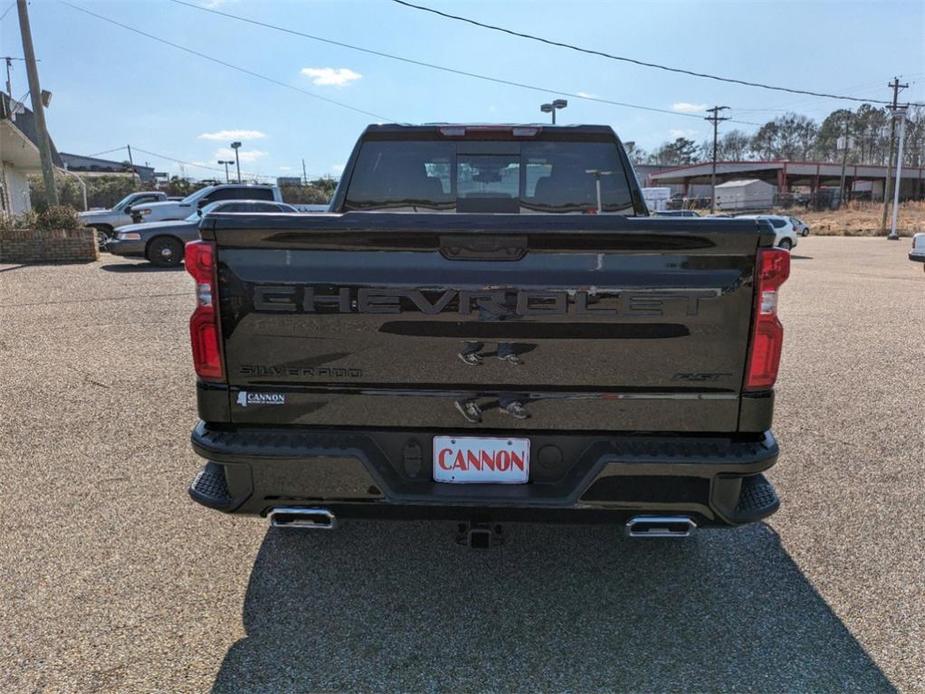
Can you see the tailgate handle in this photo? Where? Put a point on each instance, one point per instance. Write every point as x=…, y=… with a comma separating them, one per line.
x=471, y=247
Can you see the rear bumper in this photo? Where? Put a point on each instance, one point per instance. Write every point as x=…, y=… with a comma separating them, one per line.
x=579, y=477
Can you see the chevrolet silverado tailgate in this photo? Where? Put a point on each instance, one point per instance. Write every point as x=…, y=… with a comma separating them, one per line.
x=592, y=322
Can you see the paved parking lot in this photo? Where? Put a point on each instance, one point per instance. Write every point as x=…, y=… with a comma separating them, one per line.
x=111, y=579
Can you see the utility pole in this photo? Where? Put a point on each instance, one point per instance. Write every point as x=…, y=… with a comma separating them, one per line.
x=899, y=113
x=35, y=90
x=896, y=87
x=304, y=175
x=844, y=161
x=715, y=119
x=131, y=162
x=9, y=74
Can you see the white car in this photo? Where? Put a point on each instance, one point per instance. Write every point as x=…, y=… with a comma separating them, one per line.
x=801, y=227
x=918, y=248
x=181, y=209
x=785, y=236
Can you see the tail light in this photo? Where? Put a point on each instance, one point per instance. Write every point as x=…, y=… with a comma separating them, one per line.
x=203, y=324
x=773, y=269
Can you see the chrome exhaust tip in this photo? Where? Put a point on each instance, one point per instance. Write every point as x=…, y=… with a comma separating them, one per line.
x=660, y=526
x=299, y=517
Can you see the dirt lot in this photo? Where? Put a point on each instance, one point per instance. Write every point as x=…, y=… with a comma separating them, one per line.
x=111, y=579
x=863, y=219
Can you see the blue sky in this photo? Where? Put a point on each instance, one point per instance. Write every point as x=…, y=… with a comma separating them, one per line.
x=113, y=87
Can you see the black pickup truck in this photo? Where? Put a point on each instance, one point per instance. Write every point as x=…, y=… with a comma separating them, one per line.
x=488, y=326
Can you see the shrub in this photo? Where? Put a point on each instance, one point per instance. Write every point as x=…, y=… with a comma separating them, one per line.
x=26, y=220
x=58, y=217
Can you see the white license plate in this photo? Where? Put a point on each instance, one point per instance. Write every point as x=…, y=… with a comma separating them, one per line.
x=471, y=459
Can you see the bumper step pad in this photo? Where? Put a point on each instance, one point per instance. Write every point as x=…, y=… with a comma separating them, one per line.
x=758, y=499
x=210, y=488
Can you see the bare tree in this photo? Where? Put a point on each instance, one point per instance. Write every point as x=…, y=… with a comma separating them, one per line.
x=734, y=145
x=796, y=137
x=790, y=136
x=681, y=151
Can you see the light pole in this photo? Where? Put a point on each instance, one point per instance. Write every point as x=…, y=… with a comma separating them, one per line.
x=226, y=162
x=597, y=173
x=237, y=162
x=553, y=107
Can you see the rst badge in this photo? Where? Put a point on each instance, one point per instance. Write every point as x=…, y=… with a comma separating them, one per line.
x=462, y=460
x=246, y=398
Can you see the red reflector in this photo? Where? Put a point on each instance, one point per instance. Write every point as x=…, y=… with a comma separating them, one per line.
x=200, y=261
x=772, y=270
x=205, y=336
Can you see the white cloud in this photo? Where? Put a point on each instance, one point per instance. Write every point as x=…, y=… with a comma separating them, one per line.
x=587, y=95
x=337, y=169
x=678, y=132
x=245, y=155
x=233, y=135
x=285, y=168
x=685, y=107
x=330, y=76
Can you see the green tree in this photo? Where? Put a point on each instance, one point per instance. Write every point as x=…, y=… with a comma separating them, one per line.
x=832, y=132
x=872, y=133
x=102, y=191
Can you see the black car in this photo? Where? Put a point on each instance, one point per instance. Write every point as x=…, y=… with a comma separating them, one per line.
x=162, y=242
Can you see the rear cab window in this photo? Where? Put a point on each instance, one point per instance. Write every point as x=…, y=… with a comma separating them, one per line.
x=490, y=176
x=240, y=193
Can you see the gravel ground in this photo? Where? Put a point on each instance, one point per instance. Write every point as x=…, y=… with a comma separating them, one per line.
x=111, y=579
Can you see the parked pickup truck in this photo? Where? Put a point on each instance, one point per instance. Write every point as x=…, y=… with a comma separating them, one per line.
x=106, y=221
x=487, y=327
x=181, y=209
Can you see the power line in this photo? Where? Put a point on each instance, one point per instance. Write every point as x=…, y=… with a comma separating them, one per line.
x=108, y=151
x=192, y=163
x=442, y=68
x=801, y=103
x=634, y=61
x=7, y=10
x=226, y=64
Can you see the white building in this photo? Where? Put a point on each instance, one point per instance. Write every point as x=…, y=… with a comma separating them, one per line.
x=748, y=194
x=656, y=198
x=19, y=155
